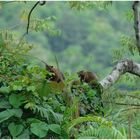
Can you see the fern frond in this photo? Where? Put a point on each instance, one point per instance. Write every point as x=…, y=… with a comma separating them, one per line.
x=100, y=120
x=48, y=113
x=103, y=132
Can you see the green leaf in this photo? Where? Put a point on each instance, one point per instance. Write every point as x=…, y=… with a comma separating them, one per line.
x=17, y=113
x=87, y=119
x=0, y=133
x=15, y=129
x=23, y=16
x=102, y=132
x=4, y=104
x=16, y=100
x=39, y=129
x=33, y=120
x=24, y=135
x=55, y=128
x=44, y=89
x=91, y=93
x=31, y=88
x=1, y=40
x=4, y=115
x=5, y=90
x=17, y=87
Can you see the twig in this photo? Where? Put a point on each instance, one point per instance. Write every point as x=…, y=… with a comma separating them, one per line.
x=29, y=15
x=8, y=2
x=130, y=108
x=129, y=126
x=129, y=95
x=133, y=96
x=56, y=60
x=121, y=103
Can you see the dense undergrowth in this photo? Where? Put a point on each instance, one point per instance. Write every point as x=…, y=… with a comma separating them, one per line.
x=32, y=106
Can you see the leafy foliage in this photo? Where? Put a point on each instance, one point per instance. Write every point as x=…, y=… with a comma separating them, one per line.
x=39, y=129
x=31, y=106
x=19, y=94
x=80, y=5
x=14, y=129
x=45, y=25
x=23, y=93
x=103, y=133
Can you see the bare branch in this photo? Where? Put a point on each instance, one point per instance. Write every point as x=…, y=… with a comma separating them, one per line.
x=29, y=16
x=122, y=67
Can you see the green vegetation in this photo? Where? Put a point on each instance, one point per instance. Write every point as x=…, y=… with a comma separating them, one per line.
x=82, y=36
